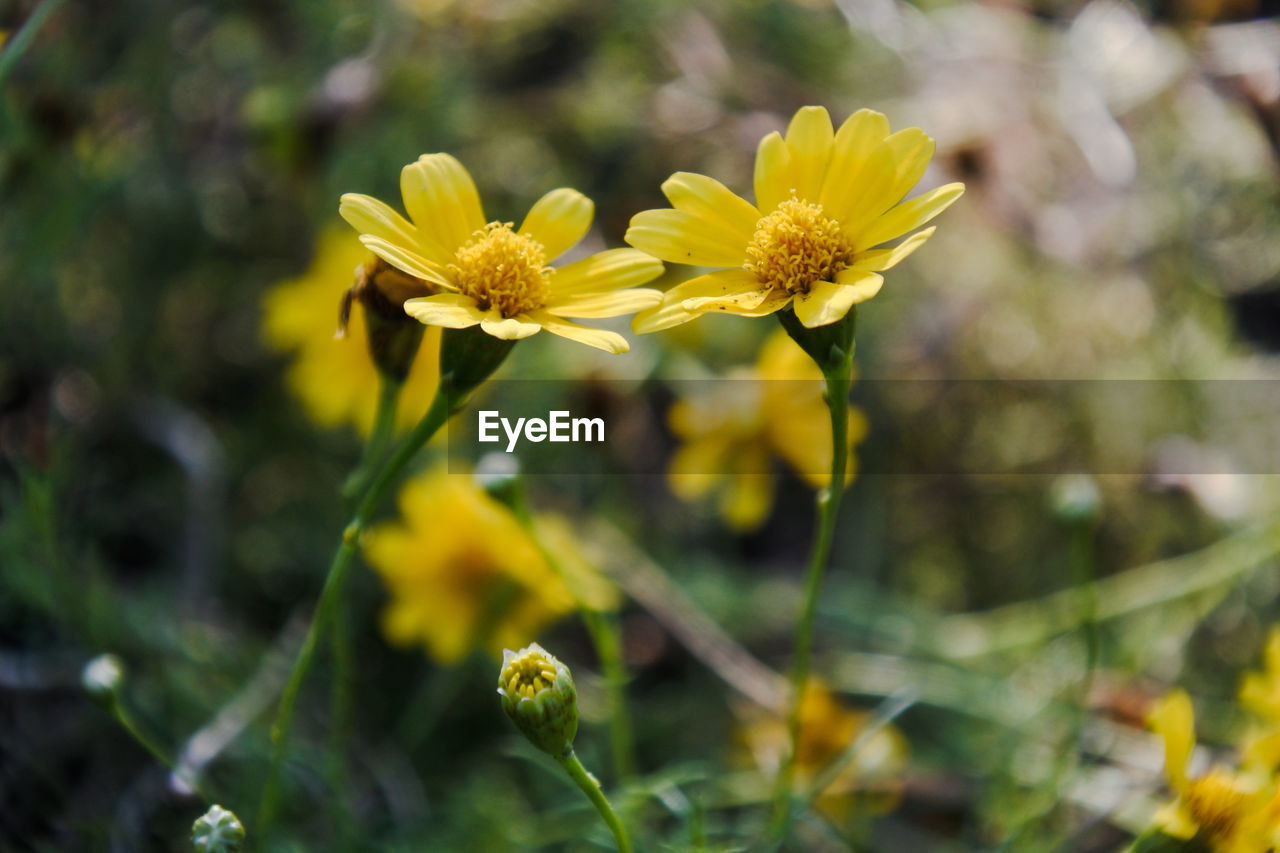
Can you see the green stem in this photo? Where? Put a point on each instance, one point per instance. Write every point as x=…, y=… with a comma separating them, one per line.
x=331, y=594
x=21, y=40
x=569, y=761
x=384, y=422
x=606, y=636
x=159, y=753
x=838, y=379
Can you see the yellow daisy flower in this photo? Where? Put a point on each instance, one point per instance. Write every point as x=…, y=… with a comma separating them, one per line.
x=729, y=437
x=1235, y=812
x=492, y=275
x=462, y=571
x=825, y=200
x=828, y=728
x=333, y=375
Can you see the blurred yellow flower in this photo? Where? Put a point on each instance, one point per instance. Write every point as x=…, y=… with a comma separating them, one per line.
x=492, y=275
x=775, y=407
x=1233, y=811
x=825, y=200
x=827, y=730
x=334, y=376
x=462, y=571
x=1260, y=691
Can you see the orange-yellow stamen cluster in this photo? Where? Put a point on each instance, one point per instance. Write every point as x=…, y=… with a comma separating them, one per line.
x=528, y=675
x=501, y=269
x=797, y=245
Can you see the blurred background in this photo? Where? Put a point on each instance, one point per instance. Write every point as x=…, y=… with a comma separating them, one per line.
x=170, y=476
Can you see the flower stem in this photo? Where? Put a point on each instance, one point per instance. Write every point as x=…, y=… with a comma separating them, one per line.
x=838, y=379
x=379, y=438
x=606, y=637
x=331, y=594
x=569, y=761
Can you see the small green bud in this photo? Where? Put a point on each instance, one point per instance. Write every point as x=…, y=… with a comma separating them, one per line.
x=217, y=831
x=102, y=677
x=393, y=335
x=538, y=695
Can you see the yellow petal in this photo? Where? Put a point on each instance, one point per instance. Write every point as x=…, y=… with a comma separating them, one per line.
x=809, y=138
x=879, y=260
x=609, y=304
x=1173, y=720
x=601, y=339
x=865, y=284
x=858, y=201
x=907, y=216
x=825, y=303
x=442, y=200
x=682, y=238
x=671, y=311
x=912, y=150
x=711, y=200
x=558, y=220
x=745, y=301
x=608, y=270
x=369, y=216
x=773, y=182
x=407, y=260
x=450, y=310
x=746, y=500
x=509, y=328
x=860, y=134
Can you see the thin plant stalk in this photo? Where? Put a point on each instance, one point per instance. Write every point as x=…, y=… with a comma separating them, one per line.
x=838, y=379
x=606, y=637
x=585, y=781
x=331, y=594
x=384, y=422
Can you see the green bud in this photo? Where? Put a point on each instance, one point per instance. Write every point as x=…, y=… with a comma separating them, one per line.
x=217, y=831
x=393, y=336
x=538, y=695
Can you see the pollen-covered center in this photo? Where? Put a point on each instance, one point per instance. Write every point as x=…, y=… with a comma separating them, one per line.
x=797, y=245
x=1215, y=804
x=501, y=269
x=528, y=675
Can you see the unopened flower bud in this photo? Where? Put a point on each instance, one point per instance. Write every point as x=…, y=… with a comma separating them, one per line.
x=217, y=831
x=394, y=336
x=102, y=676
x=538, y=695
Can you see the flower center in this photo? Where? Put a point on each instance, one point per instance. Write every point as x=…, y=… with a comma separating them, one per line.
x=501, y=269
x=1215, y=804
x=796, y=245
x=528, y=675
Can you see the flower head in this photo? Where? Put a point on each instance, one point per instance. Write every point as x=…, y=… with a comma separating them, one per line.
x=492, y=274
x=825, y=201
x=1234, y=811
x=773, y=408
x=538, y=695
x=332, y=374
x=462, y=571
x=217, y=831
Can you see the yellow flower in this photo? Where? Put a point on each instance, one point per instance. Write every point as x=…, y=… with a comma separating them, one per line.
x=495, y=276
x=1235, y=812
x=462, y=571
x=775, y=407
x=827, y=729
x=824, y=201
x=334, y=376
x=1260, y=691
